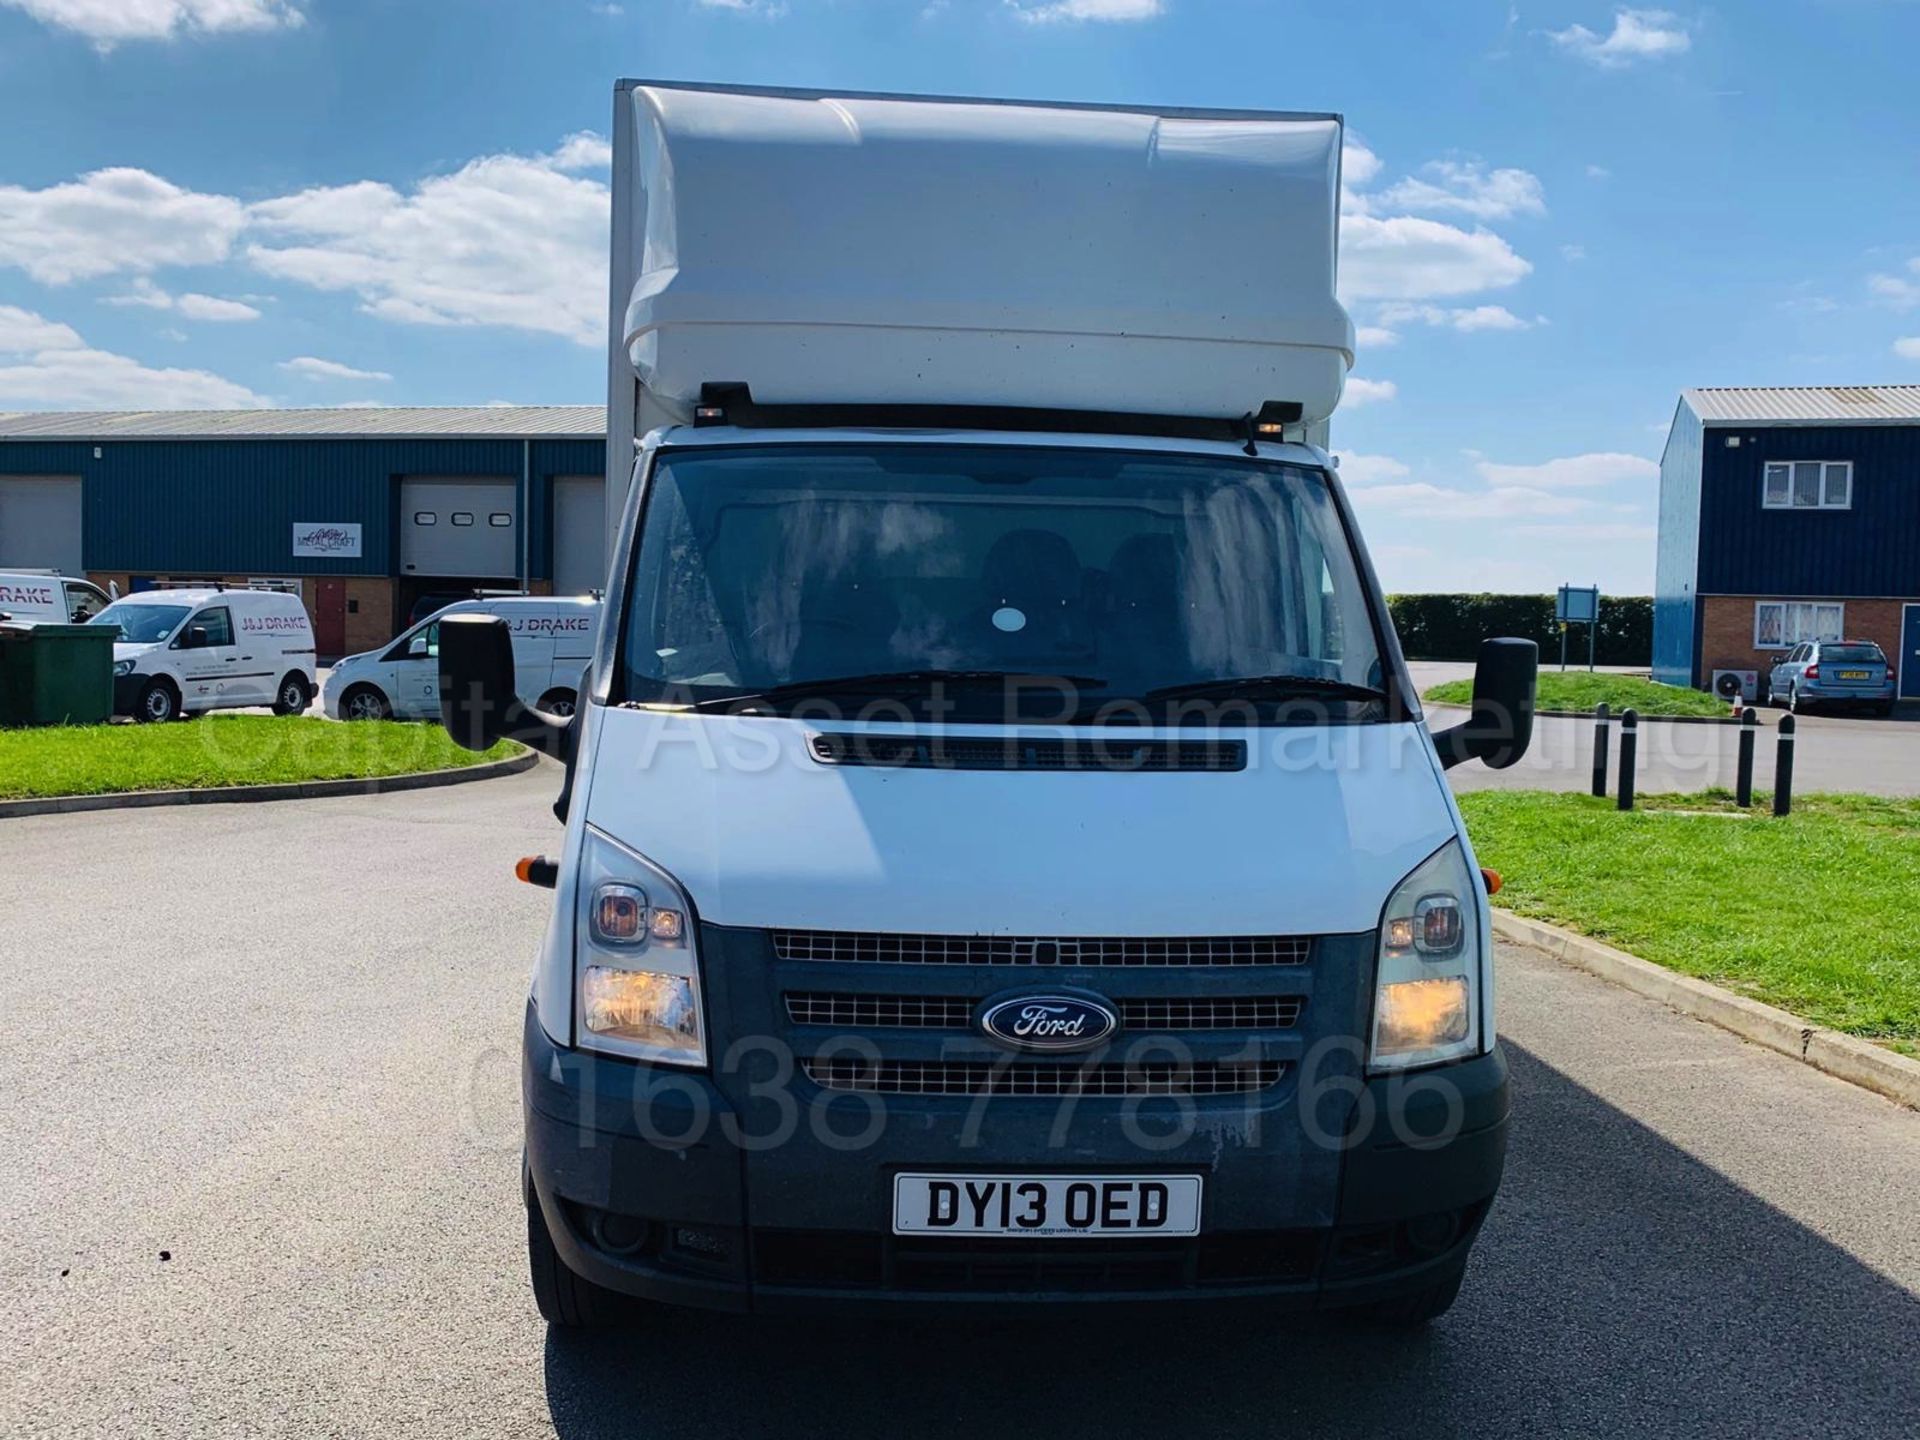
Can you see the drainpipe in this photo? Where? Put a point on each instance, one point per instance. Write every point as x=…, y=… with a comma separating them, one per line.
x=526, y=507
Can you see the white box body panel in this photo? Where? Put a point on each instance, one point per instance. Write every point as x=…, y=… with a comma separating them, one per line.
x=832, y=249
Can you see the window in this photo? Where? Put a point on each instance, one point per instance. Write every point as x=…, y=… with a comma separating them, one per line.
x=1808, y=485
x=219, y=625
x=1780, y=624
x=500, y=520
x=463, y=517
x=83, y=603
x=425, y=517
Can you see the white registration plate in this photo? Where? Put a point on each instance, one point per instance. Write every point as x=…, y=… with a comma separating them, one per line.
x=1046, y=1206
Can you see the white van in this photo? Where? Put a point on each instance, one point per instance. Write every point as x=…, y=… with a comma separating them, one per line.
x=1006, y=860
x=46, y=597
x=552, y=644
x=184, y=652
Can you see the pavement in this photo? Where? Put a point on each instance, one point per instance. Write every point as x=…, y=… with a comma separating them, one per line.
x=1831, y=752
x=278, y=1045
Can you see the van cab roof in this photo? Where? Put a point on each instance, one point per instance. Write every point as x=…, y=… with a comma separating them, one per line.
x=688, y=437
x=200, y=594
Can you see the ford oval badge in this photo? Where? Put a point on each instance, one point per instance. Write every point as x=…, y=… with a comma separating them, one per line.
x=1052, y=1022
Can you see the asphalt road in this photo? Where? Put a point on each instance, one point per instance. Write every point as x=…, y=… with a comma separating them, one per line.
x=1832, y=752
x=277, y=1043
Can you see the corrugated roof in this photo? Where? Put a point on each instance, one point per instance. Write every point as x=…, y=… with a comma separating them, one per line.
x=1807, y=404
x=354, y=423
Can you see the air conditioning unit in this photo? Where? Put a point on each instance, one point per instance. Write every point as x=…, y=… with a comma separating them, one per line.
x=1744, y=683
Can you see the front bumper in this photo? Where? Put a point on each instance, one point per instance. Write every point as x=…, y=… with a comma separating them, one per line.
x=649, y=1187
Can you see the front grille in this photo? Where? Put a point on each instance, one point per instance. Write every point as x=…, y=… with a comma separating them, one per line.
x=1022, y=1078
x=850, y=946
x=952, y=1012
x=1105, y=753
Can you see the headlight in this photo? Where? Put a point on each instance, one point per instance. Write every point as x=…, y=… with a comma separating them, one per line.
x=1426, y=1006
x=637, y=971
x=121, y=667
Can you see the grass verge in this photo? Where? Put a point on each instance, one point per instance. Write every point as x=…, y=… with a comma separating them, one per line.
x=220, y=750
x=1808, y=912
x=1579, y=690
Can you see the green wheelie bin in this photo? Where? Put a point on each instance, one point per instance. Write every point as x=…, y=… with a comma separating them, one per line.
x=56, y=674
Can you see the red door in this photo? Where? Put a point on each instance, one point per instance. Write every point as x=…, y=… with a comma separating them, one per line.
x=330, y=619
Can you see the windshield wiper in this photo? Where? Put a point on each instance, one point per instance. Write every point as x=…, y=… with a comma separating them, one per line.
x=886, y=682
x=1269, y=687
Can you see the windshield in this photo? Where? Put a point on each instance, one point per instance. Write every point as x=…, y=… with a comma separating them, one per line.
x=140, y=623
x=1134, y=574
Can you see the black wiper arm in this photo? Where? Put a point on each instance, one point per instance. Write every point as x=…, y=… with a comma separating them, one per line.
x=886, y=681
x=1269, y=687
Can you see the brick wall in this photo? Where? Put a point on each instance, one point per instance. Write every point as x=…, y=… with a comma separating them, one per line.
x=1726, y=630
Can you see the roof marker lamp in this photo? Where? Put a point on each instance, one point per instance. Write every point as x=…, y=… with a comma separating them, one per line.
x=639, y=975
x=1427, y=1004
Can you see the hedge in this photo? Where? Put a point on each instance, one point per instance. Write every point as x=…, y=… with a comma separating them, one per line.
x=1451, y=627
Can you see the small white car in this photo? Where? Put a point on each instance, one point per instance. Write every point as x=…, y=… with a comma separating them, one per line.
x=552, y=644
x=45, y=597
x=184, y=652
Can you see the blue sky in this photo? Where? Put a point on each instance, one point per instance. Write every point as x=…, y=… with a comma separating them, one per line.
x=1559, y=214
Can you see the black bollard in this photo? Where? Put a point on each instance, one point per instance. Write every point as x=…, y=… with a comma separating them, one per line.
x=1743, y=774
x=1629, y=743
x=1783, y=769
x=1600, y=717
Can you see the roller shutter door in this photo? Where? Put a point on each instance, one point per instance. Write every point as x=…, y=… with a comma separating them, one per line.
x=579, y=534
x=468, y=527
x=40, y=523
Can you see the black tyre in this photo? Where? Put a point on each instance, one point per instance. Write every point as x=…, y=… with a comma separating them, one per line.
x=1884, y=709
x=158, y=701
x=365, y=702
x=1795, y=704
x=293, y=696
x=557, y=702
x=564, y=1298
x=1411, y=1311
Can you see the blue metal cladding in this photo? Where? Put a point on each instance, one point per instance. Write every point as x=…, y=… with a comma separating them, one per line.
x=1872, y=549
x=1676, y=561
x=229, y=506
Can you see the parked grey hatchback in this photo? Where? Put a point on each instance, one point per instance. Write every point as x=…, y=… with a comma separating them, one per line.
x=1833, y=673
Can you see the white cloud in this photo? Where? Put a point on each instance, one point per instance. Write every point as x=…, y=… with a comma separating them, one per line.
x=1467, y=318
x=582, y=150
x=1468, y=188
x=190, y=306
x=1378, y=336
x=312, y=367
x=111, y=222
x=1078, y=10
x=1365, y=392
x=1895, y=290
x=1419, y=499
x=768, y=8
x=1573, y=252
x=45, y=365
x=1606, y=467
x=1586, y=531
x=1358, y=469
x=1907, y=347
x=1599, y=172
x=1636, y=35
x=505, y=240
x=107, y=22
x=1358, y=164
x=1406, y=257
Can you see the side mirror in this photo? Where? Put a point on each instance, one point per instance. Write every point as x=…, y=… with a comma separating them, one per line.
x=478, y=704
x=196, y=638
x=417, y=648
x=1501, y=726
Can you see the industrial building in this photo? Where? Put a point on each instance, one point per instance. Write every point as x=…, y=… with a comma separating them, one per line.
x=1788, y=514
x=364, y=512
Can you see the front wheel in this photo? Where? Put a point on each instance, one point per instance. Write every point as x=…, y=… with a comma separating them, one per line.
x=292, y=697
x=557, y=702
x=566, y=1299
x=158, y=701
x=363, y=702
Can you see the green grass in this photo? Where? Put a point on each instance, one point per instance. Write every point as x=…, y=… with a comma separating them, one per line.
x=1809, y=913
x=1581, y=690
x=220, y=750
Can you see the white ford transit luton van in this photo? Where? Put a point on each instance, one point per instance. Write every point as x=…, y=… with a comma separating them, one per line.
x=184, y=652
x=1005, y=858
x=552, y=645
